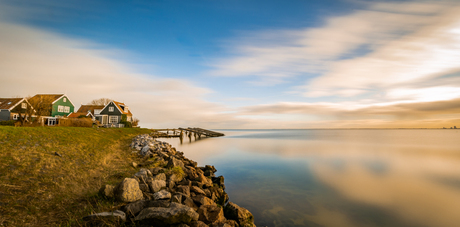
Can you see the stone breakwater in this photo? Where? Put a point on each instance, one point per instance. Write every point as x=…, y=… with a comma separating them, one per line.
x=177, y=193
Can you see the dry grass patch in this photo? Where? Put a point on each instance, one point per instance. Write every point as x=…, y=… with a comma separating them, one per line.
x=50, y=176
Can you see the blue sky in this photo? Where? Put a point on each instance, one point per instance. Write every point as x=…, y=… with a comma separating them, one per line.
x=242, y=64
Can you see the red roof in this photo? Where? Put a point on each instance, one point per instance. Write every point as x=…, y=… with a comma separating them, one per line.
x=121, y=106
x=47, y=98
x=7, y=103
x=77, y=114
x=90, y=108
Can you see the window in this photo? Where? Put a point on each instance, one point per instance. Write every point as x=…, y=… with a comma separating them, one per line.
x=24, y=105
x=110, y=108
x=15, y=116
x=66, y=109
x=97, y=111
x=65, y=100
x=60, y=108
x=113, y=119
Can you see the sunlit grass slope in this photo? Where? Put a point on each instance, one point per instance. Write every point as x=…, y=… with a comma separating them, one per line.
x=40, y=188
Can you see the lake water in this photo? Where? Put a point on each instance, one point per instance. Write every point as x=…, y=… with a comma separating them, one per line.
x=338, y=177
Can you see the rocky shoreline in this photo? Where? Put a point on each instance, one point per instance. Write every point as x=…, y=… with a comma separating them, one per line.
x=176, y=193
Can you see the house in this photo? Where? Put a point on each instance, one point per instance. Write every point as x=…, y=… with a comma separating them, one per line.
x=52, y=106
x=112, y=114
x=11, y=107
x=93, y=111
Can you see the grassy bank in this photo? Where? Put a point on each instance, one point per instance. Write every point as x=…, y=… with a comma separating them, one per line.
x=40, y=188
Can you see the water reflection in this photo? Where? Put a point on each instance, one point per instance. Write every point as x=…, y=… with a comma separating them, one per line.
x=339, y=177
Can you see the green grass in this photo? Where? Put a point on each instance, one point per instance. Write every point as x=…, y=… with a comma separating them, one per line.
x=39, y=188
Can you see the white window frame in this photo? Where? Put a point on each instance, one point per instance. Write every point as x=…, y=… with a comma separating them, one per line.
x=60, y=109
x=65, y=99
x=15, y=116
x=24, y=105
x=111, y=108
x=66, y=109
x=111, y=118
x=97, y=112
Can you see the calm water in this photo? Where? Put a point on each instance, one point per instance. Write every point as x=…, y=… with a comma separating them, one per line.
x=338, y=177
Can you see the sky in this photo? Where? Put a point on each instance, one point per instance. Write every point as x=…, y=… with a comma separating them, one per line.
x=222, y=64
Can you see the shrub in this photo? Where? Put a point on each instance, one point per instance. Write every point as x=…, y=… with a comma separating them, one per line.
x=76, y=122
x=10, y=122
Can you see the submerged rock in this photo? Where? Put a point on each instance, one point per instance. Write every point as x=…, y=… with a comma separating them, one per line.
x=241, y=215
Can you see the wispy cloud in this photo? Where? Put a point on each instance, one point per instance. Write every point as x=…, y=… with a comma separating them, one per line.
x=377, y=48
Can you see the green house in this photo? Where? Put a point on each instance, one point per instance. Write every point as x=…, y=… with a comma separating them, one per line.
x=57, y=105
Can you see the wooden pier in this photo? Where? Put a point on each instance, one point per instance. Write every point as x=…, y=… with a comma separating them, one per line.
x=181, y=132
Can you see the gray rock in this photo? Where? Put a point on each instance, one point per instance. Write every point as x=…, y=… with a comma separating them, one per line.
x=211, y=214
x=116, y=218
x=158, y=203
x=144, y=187
x=163, y=194
x=156, y=185
x=143, y=174
x=241, y=215
x=175, y=214
x=128, y=191
x=133, y=209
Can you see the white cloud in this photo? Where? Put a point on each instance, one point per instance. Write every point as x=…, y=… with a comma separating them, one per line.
x=35, y=61
x=389, y=45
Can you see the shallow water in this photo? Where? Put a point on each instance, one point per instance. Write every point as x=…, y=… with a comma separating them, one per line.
x=338, y=177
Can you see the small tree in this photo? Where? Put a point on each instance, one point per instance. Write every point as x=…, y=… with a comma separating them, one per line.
x=101, y=101
x=135, y=122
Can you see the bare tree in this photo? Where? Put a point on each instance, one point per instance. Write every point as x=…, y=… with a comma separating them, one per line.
x=24, y=113
x=42, y=106
x=101, y=101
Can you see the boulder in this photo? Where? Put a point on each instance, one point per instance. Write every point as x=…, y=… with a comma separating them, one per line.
x=156, y=185
x=241, y=215
x=198, y=224
x=107, y=191
x=183, y=189
x=157, y=203
x=160, y=176
x=128, y=191
x=173, y=162
x=176, y=198
x=174, y=214
x=103, y=219
x=203, y=200
x=132, y=209
x=187, y=201
x=211, y=214
x=198, y=190
x=143, y=174
x=219, y=181
x=144, y=187
x=163, y=194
